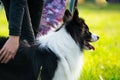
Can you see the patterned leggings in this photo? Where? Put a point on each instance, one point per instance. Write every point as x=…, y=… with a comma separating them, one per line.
x=52, y=15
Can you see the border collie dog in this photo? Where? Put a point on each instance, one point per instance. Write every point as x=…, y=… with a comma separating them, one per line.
x=56, y=56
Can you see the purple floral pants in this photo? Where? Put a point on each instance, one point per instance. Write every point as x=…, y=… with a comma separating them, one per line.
x=52, y=15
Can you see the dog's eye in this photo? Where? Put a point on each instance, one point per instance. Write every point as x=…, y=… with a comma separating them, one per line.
x=87, y=35
x=87, y=32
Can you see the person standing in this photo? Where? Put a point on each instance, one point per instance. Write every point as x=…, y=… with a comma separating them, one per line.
x=23, y=17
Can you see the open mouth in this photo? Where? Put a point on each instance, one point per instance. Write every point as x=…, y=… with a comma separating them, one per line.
x=88, y=46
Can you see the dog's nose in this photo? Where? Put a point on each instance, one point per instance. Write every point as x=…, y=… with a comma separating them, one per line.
x=97, y=37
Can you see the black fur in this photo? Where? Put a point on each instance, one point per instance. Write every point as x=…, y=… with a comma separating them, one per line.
x=28, y=62
x=77, y=27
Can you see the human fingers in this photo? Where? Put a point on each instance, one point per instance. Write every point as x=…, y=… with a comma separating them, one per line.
x=7, y=57
x=13, y=55
x=3, y=52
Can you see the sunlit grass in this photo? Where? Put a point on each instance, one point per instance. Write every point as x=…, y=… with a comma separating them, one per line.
x=3, y=24
x=104, y=62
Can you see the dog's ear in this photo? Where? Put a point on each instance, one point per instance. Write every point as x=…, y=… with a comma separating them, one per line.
x=67, y=16
x=75, y=14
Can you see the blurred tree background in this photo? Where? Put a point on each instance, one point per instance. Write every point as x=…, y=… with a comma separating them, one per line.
x=92, y=1
x=99, y=1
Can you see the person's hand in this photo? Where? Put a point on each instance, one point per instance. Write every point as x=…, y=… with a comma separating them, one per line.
x=9, y=49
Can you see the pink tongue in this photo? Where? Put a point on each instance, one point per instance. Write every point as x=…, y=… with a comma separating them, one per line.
x=89, y=46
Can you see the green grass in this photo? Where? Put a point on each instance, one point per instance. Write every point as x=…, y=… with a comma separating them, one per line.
x=104, y=62
x=3, y=24
x=104, y=20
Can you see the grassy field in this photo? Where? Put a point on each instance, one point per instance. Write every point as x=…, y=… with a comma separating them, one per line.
x=104, y=20
x=3, y=24
x=104, y=62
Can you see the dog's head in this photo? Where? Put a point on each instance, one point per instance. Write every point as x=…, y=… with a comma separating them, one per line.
x=79, y=30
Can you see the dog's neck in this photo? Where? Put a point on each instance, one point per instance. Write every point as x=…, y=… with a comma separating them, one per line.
x=66, y=48
x=61, y=42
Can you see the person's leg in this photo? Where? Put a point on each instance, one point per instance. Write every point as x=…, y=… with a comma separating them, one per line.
x=8, y=71
x=35, y=8
x=52, y=14
x=27, y=30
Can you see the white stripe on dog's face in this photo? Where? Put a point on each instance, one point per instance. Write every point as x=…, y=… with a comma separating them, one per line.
x=94, y=37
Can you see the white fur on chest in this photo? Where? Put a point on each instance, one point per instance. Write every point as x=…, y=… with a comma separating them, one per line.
x=71, y=57
x=69, y=69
